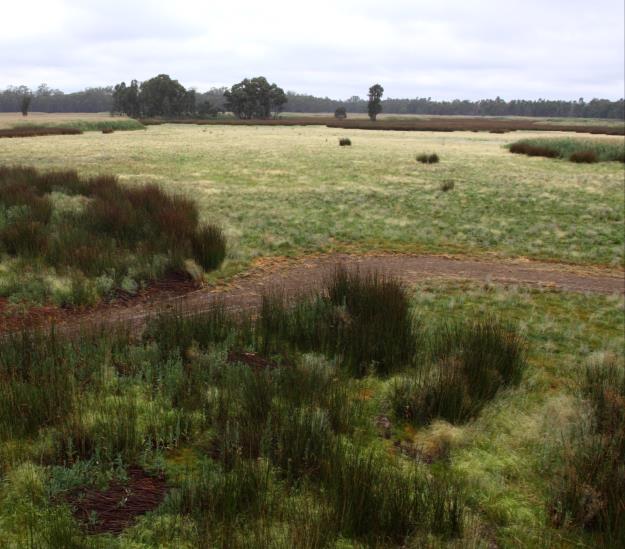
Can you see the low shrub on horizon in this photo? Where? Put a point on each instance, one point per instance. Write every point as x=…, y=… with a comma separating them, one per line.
x=126, y=235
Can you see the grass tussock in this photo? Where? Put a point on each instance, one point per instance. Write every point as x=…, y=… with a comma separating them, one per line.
x=576, y=150
x=113, y=236
x=428, y=158
x=589, y=488
x=447, y=186
x=363, y=319
x=470, y=364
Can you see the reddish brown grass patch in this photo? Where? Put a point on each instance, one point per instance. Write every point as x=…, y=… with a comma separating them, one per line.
x=116, y=508
x=36, y=132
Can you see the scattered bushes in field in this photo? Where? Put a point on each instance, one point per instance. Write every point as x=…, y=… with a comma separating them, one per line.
x=132, y=235
x=576, y=150
x=589, y=489
x=345, y=142
x=428, y=158
x=470, y=364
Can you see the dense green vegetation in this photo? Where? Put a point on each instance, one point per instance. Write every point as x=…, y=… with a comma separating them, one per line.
x=589, y=490
x=268, y=436
x=574, y=149
x=72, y=241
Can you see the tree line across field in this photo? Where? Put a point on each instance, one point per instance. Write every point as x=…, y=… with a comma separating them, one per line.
x=257, y=98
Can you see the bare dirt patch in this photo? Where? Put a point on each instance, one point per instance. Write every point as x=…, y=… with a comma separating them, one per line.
x=16, y=317
x=298, y=276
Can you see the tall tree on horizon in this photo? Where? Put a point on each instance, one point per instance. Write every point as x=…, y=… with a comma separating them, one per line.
x=25, y=101
x=374, y=107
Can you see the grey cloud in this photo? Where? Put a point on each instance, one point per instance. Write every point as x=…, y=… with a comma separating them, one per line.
x=444, y=49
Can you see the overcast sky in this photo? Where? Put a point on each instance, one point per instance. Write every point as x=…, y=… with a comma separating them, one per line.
x=442, y=49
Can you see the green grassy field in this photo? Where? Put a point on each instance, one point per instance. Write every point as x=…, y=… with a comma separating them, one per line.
x=291, y=190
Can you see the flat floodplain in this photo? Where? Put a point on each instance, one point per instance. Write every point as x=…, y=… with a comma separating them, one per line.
x=293, y=190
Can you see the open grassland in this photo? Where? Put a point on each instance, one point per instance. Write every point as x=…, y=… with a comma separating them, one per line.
x=292, y=190
x=267, y=436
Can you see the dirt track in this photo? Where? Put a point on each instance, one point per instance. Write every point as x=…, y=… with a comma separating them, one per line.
x=306, y=274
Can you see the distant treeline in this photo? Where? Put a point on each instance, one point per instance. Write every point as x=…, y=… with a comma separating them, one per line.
x=45, y=99
x=596, y=108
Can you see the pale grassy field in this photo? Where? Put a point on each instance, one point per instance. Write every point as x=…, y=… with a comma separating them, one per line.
x=10, y=119
x=291, y=190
